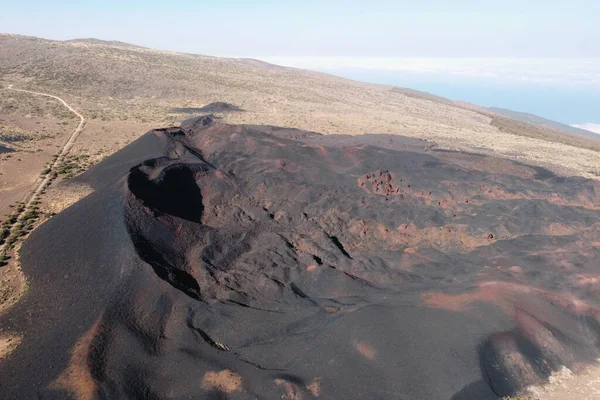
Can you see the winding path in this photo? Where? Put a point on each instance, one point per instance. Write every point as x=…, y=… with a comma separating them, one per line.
x=33, y=195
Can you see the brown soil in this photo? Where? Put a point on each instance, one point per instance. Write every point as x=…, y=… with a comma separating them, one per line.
x=8, y=344
x=566, y=385
x=224, y=381
x=77, y=378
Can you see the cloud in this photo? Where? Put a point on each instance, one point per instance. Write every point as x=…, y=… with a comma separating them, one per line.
x=589, y=126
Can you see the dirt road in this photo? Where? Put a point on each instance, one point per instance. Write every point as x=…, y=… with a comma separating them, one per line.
x=33, y=195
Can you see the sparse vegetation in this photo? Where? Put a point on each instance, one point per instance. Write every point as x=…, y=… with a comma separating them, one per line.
x=67, y=168
x=31, y=215
x=270, y=95
x=17, y=103
x=6, y=291
x=18, y=224
x=12, y=136
x=73, y=165
x=4, y=232
x=526, y=129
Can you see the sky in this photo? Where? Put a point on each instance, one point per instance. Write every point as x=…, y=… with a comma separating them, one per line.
x=543, y=44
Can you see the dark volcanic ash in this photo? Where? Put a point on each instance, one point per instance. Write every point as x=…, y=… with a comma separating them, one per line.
x=219, y=261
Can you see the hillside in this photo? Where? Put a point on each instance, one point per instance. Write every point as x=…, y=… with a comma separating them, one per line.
x=417, y=94
x=93, y=41
x=534, y=119
x=544, y=129
x=116, y=83
x=517, y=123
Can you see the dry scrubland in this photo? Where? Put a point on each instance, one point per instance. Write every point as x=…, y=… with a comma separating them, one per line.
x=140, y=87
x=33, y=129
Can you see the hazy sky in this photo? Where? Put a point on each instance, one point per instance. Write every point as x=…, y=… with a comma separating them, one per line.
x=391, y=28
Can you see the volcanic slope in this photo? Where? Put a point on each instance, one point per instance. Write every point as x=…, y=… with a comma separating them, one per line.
x=238, y=262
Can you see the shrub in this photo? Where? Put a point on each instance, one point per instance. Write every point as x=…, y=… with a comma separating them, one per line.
x=29, y=215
